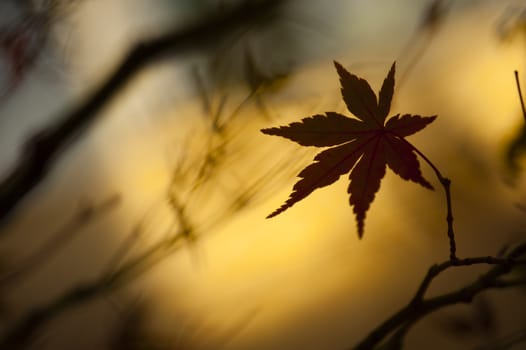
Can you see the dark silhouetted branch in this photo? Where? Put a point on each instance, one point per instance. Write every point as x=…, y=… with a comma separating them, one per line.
x=44, y=148
x=520, y=94
x=419, y=307
x=435, y=270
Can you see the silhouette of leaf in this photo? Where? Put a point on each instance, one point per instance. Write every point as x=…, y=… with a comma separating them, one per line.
x=386, y=94
x=321, y=131
x=363, y=146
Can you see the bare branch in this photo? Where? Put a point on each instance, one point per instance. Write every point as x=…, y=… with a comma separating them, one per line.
x=406, y=317
x=520, y=94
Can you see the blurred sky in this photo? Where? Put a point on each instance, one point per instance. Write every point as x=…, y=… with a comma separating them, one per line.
x=302, y=280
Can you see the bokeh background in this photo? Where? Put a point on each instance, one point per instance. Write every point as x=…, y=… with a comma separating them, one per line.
x=178, y=153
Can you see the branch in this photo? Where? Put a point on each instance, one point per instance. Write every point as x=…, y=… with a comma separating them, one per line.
x=23, y=332
x=124, y=267
x=419, y=307
x=520, y=95
x=43, y=149
x=56, y=242
x=505, y=342
x=435, y=270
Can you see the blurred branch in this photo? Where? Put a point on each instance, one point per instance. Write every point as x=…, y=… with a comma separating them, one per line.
x=127, y=264
x=418, y=307
x=58, y=241
x=43, y=149
x=431, y=21
x=506, y=342
x=520, y=94
x=517, y=146
x=22, y=333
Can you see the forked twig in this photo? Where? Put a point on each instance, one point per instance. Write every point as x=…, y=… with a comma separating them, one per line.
x=419, y=307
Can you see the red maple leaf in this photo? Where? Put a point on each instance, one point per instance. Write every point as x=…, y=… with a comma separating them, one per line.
x=364, y=145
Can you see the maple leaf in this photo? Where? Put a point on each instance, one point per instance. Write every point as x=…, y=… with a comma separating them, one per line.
x=363, y=145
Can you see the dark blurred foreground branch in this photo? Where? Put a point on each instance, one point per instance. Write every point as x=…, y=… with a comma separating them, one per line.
x=520, y=94
x=192, y=178
x=419, y=307
x=22, y=333
x=43, y=149
x=56, y=242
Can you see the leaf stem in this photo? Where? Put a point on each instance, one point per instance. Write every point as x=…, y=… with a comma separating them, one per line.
x=520, y=94
x=446, y=185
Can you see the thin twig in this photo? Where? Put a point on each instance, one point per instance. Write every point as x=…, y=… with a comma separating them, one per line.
x=435, y=270
x=520, y=94
x=124, y=249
